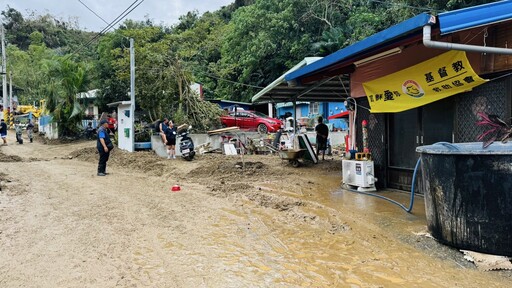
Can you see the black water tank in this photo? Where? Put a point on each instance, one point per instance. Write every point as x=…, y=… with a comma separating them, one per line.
x=468, y=195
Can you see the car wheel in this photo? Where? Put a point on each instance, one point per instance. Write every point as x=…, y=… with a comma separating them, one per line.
x=262, y=129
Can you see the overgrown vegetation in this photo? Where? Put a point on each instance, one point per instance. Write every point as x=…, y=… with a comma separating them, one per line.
x=233, y=52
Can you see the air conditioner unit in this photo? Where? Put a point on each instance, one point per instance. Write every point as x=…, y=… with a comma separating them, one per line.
x=360, y=174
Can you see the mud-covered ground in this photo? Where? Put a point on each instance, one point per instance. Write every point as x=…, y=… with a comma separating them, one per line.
x=236, y=222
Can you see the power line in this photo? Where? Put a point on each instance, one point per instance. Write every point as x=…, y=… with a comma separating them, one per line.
x=93, y=11
x=405, y=6
x=109, y=26
x=230, y=81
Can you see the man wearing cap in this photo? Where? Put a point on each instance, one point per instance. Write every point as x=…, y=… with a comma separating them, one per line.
x=104, y=146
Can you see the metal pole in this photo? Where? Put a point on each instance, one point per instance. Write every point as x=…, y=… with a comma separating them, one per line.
x=4, y=75
x=10, y=101
x=132, y=93
x=294, y=124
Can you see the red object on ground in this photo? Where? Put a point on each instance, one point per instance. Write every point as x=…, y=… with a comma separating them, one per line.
x=175, y=188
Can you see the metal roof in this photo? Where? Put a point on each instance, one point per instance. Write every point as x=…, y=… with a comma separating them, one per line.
x=288, y=104
x=392, y=34
x=333, y=89
x=475, y=16
x=324, y=79
x=449, y=22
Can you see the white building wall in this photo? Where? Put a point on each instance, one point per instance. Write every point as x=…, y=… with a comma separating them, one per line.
x=124, y=128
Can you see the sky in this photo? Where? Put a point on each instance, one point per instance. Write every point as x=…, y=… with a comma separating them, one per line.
x=159, y=11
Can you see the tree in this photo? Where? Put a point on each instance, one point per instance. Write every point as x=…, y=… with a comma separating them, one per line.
x=66, y=79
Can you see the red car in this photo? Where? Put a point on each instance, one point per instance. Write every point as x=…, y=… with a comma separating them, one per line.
x=251, y=120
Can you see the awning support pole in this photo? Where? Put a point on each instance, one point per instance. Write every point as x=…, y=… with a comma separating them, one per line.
x=294, y=122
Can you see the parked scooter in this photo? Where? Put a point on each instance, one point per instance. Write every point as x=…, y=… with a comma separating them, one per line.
x=186, y=144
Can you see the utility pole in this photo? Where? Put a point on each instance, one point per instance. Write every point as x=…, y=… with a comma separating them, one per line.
x=4, y=72
x=132, y=92
x=11, y=115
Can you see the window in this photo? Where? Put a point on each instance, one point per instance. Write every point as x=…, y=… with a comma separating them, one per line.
x=90, y=111
x=313, y=108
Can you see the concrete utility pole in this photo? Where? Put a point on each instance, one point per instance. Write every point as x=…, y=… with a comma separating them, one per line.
x=132, y=91
x=4, y=72
x=11, y=115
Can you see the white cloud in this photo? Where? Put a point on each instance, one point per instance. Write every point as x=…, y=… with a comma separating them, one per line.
x=160, y=11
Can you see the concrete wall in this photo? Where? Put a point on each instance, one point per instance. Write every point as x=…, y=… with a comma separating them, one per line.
x=49, y=128
x=336, y=138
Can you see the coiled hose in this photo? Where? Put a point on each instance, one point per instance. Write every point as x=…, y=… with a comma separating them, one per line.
x=408, y=210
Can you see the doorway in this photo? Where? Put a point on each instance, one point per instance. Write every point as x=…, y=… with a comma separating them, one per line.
x=425, y=125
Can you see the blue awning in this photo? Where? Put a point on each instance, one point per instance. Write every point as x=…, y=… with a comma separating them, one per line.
x=472, y=17
x=404, y=28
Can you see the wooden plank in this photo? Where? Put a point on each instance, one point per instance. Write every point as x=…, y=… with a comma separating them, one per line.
x=222, y=130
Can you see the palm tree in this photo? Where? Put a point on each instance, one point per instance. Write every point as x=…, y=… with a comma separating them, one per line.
x=65, y=80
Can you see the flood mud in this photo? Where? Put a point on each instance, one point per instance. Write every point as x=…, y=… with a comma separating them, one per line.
x=265, y=224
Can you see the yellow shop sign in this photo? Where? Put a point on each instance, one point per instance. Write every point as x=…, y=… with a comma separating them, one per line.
x=437, y=78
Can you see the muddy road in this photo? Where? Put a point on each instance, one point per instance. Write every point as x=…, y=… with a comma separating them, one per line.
x=264, y=225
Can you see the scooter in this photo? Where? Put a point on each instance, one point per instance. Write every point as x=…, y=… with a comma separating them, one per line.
x=186, y=145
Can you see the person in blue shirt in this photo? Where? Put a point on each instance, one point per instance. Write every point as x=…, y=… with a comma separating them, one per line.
x=104, y=145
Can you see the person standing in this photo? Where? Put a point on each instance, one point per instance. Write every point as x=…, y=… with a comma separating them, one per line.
x=104, y=145
x=30, y=131
x=322, y=132
x=162, y=127
x=3, y=132
x=170, y=136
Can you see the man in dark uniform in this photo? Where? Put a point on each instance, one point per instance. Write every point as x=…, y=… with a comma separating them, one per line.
x=3, y=132
x=104, y=146
x=322, y=132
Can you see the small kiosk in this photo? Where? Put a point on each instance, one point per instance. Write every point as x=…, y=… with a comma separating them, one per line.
x=125, y=137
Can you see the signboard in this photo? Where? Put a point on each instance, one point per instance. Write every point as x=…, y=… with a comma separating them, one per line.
x=445, y=75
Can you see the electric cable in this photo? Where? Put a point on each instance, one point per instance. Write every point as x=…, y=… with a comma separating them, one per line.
x=109, y=26
x=93, y=11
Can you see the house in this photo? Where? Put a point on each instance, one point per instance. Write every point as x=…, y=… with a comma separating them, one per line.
x=458, y=60
x=307, y=100
x=307, y=112
x=87, y=99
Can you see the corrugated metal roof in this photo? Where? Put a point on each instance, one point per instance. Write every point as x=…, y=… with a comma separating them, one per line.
x=472, y=17
x=288, y=104
x=334, y=89
x=393, y=33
